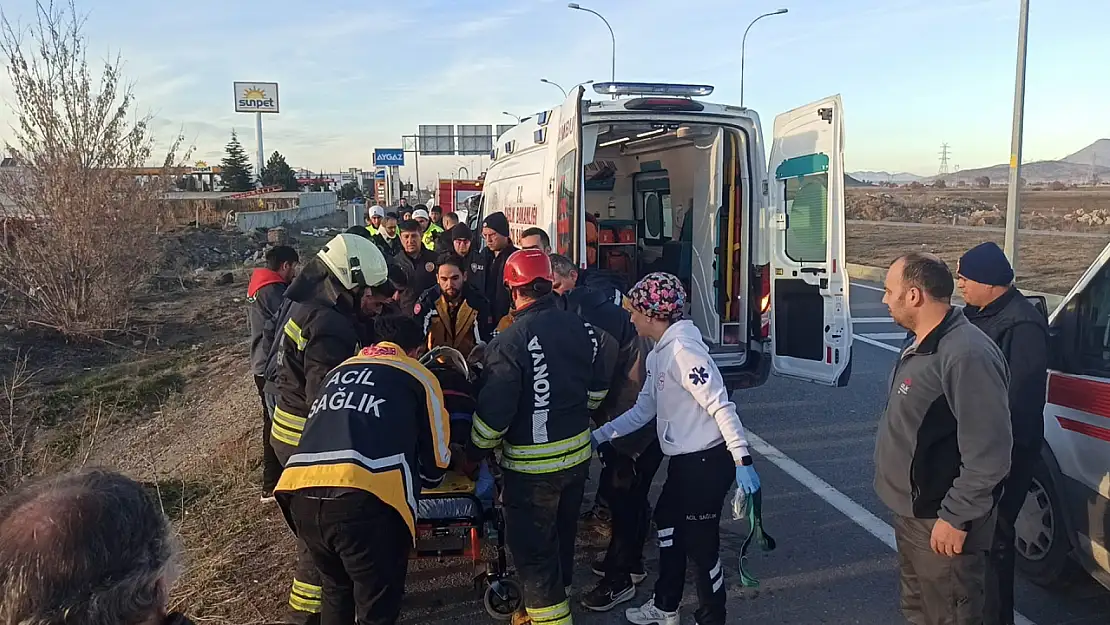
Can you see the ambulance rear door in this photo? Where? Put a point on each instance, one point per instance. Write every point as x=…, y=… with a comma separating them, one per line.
x=570, y=217
x=811, y=325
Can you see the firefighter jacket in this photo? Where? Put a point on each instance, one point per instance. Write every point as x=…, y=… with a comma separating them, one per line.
x=319, y=329
x=378, y=424
x=462, y=325
x=542, y=377
x=421, y=272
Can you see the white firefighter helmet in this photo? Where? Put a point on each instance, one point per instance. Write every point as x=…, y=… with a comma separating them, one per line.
x=355, y=261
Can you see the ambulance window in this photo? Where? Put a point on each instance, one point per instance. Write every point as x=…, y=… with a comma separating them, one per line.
x=566, y=202
x=806, y=208
x=1094, y=325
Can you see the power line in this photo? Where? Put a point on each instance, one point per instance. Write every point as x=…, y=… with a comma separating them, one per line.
x=944, y=153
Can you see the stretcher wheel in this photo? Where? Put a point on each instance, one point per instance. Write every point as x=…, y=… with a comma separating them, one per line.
x=502, y=598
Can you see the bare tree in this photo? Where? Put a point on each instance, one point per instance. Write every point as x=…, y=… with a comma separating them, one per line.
x=91, y=221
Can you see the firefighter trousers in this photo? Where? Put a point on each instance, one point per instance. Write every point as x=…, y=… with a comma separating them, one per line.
x=306, y=594
x=688, y=520
x=541, y=520
x=360, y=545
x=625, y=483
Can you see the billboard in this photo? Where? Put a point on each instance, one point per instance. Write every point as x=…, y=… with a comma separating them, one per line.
x=435, y=140
x=256, y=97
x=475, y=140
x=503, y=128
x=384, y=157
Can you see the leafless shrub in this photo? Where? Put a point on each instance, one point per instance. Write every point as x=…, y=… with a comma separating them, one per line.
x=17, y=424
x=94, y=224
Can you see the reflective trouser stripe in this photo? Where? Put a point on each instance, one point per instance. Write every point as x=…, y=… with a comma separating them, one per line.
x=548, y=465
x=547, y=450
x=558, y=614
x=306, y=597
x=286, y=427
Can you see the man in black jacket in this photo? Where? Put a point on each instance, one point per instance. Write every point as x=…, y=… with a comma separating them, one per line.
x=490, y=270
x=319, y=329
x=543, y=376
x=265, y=294
x=631, y=461
x=996, y=307
x=386, y=238
x=418, y=262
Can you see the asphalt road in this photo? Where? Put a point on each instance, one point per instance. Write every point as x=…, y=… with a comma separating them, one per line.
x=833, y=563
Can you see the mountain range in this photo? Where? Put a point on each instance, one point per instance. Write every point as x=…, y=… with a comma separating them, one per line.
x=1076, y=168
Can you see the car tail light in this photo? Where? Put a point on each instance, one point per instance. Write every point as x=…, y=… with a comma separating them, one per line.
x=765, y=302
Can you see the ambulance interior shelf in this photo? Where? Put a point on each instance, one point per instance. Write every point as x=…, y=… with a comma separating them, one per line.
x=617, y=247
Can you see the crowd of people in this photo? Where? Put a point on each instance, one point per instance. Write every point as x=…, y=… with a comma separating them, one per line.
x=571, y=366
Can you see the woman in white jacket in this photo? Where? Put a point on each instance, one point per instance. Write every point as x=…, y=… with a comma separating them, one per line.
x=703, y=437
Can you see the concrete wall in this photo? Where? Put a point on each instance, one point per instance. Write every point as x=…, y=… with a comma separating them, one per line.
x=310, y=205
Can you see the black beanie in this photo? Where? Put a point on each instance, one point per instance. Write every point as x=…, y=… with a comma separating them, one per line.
x=460, y=232
x=498, y=223
x=986, y=264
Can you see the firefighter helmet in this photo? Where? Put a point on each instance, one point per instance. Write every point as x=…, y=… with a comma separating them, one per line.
x=527, y=266
x=355, y=261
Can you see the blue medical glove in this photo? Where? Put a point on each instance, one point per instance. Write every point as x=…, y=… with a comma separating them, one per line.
x=747, y=479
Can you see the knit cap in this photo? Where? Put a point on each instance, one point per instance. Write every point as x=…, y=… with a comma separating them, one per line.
x=986, y=264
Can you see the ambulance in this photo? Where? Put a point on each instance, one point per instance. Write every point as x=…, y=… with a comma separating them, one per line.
x=1064, y=524
x=671, y=182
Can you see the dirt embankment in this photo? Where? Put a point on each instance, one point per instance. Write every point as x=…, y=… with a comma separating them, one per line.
x=1071, y=210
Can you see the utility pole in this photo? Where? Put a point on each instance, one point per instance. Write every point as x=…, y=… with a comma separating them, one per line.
x=943, y=159
x=1013, y=194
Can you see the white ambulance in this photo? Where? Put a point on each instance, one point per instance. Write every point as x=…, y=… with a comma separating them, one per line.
x=1066, y=517
x=677, y=184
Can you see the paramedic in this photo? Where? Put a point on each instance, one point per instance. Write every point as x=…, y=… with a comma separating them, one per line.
x=942, y=448
x=376, y=422
x=995, y=306
x=374, y=216
x=265, y=295
x=700, y=432
x=542, y=377
x=535, y=239
x=630, y=462
x=491, y=263
x=429, y=230
x=418, y=262
x=453, y=313
x=319, y=330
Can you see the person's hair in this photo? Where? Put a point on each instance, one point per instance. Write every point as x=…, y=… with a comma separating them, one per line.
x=540, y=232
x=536, y=289
x=451, y=258
x=280, y=254
x=436, y=208
x=561, y=265
x=84, y=547
x=451, y=215
x=399, y=329
x=928, y=273
x=418, y=207
x=409, y=225
x=390, y=215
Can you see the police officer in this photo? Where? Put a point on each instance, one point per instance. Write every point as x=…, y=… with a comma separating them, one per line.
x=379, y=419
x=319, y=329
x=542, y=377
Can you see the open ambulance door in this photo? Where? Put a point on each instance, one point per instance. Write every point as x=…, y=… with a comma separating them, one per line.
x=811, y=325
x=570, y=214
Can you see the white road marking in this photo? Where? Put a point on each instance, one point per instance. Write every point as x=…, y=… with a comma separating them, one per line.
x=870, y=288
x=885, y=336
x=858, y=514
x=872, y=320
x=879, y=344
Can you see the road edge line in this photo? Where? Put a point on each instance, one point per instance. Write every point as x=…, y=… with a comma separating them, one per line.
x=879, y=344
x=855, y=512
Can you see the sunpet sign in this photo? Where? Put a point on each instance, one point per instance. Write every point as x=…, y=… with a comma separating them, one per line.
x=256, y=97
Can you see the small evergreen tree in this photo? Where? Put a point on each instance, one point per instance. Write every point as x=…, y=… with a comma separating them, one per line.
x=349, y=191
x=278, y=173
x=235, y=168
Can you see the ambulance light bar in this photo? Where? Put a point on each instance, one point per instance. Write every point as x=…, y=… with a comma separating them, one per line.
x=652, y=88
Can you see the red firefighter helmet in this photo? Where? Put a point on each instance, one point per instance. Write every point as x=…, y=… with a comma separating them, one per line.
x=525, y=267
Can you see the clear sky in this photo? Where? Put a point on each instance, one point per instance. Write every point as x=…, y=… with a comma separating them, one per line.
x=355, y=75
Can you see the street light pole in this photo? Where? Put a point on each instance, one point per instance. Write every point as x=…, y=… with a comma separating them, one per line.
x=744, y=44
x=556, y=85
x=578, y=7
x=1013, y=193
x=516, y=117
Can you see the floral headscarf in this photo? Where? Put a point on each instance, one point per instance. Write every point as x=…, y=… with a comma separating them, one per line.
x=659, y=295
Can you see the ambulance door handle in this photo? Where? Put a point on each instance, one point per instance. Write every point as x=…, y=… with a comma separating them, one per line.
x=813, y=270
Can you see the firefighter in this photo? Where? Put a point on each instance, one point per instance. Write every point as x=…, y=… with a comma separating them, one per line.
x=377, y=421
x=454, y=312
x=319, y=329
x=542, y=377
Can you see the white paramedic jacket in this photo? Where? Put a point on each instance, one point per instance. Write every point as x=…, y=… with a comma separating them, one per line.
x=685, y=394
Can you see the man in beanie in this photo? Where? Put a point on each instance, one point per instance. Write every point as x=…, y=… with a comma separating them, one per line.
x=700, y=431
x=491, y=263
x=996, y=307
x=462, y=241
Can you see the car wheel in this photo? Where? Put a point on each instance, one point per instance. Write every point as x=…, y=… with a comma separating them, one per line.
x=1042, y=544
